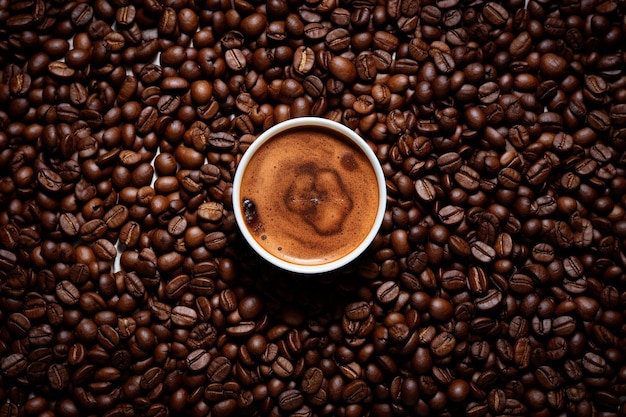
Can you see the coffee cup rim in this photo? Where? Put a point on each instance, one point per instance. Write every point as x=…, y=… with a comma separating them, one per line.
x=314, y=122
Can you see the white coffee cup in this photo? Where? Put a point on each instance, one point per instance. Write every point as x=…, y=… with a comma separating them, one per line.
x=347, y=135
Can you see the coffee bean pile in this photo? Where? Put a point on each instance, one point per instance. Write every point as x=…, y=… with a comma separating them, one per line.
x=496, y=285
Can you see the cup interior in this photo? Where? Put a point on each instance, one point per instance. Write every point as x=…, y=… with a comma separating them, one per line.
x=313, y=123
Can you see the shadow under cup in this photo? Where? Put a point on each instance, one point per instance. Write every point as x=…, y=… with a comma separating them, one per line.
x=309, y=195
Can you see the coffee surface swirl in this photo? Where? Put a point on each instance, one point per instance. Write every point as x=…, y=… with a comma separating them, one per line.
x=309, y=196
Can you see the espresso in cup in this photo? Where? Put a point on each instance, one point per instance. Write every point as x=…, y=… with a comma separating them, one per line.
x=310, y=195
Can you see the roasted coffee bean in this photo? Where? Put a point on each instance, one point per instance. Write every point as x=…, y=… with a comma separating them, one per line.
x=443, y=61
x=108, y=337
x=482, y=251
x=467, y=178
x=290, y=400
x=93, y=230
x=219, y=368
x=125, y=15
x=67, y=293
x=315, y=31
x=520, y=46
x=282, y=367
x=492, y=299
x=49, y=180
x=134, y=284
x=548, y=377
x=357, y=311
x=563, y=325
x=198, y=360
x=215, y=241
x=221, y=141
x=13, y=364
x=69, y=224
x=443, y=344
x=453, y=280
x=129, y=233
x=495, y=13
x=312, y=380
x=425, y=190
x=355, y=391
x=388, y=292
x=151, y=378
x=61, y=70
x=303, y=60
x=19, y=324
x=211, y=211
x=40, y=335
x=509, y=178
x=451, y=215
x=58, y=377
x=342, y=69
x=183, y=316
x=177, y=226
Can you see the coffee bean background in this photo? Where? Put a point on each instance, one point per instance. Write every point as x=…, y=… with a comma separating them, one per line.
x=496, y=285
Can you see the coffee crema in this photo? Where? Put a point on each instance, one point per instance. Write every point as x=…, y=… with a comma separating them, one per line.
x=309, y=196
